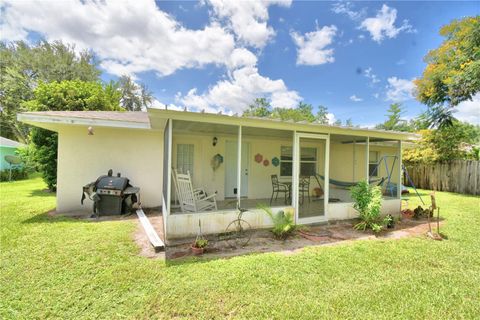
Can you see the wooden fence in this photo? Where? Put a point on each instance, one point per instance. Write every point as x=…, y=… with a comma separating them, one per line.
x=461, y=176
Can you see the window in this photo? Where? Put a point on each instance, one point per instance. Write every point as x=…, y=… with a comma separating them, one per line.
x=308, y=161
x=185, y=158
x=373, y=164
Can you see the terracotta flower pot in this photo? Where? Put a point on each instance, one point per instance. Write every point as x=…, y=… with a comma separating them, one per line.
x=197, y=251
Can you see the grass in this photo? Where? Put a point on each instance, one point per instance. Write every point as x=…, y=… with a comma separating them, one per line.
x=65, y=268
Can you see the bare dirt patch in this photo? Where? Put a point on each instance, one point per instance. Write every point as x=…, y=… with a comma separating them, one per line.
x=328, y=234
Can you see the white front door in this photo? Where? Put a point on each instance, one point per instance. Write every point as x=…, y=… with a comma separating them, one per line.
x=231, y=152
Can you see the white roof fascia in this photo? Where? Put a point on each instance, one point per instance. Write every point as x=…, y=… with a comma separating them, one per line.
x=62, y=120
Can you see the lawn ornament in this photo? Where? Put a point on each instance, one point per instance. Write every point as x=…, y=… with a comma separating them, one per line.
x=433, y=207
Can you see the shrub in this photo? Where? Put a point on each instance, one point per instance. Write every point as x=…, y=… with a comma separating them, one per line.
x=46, y=143
x=28, y=155
x=368, y=202
x=17, y=174
x=283, y=222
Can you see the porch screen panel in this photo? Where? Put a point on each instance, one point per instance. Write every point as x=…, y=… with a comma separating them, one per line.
x=266, y=167
x=185, y=158
x=308, y=161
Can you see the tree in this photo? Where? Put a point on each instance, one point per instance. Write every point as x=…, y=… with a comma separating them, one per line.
x=303, y=112
x=23, y=66
x=452, y=74
x=394, y=121
x=454, y=142
x=134, y=97
x=259, y=108
x=349, y=123
x=322, y=115
x=72, y=95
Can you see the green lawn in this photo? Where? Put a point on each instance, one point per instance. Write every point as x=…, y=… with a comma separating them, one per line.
x=64, y=268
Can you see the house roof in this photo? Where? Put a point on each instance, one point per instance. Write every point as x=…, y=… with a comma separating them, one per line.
x=271, y=123
x=119, y=119
x=141, y=117
x=156, y=118
x=4, y=142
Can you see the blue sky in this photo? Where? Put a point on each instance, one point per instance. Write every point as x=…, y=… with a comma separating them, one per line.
x=354, y=58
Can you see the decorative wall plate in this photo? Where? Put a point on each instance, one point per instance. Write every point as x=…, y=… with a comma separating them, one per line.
x=217, y=160
x=266, y=162
x=258, y=158
x=275, y=161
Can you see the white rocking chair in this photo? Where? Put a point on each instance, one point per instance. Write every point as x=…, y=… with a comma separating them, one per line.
x=192, y=200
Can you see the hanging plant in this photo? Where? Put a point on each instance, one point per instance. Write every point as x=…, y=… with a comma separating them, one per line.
x=258, y=158
x=216, y=161
x=275, y=162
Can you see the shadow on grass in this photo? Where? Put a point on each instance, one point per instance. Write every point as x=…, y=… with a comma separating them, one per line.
x=42, y=193
x=53, y=217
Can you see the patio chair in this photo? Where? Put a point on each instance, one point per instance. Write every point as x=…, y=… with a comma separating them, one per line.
x=304, y=187
x=174, y=179
x=193, y=200
x=278, y=187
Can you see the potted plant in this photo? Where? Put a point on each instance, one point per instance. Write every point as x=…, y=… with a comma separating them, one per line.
x=198, y=247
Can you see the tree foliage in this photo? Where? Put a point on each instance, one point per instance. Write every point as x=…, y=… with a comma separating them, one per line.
x=303, y=112
x=452, y=74
x=453, y=71
x=72, y=95
x=394, y=119
x=455, y=142
x=134, y=97
x=24, y=66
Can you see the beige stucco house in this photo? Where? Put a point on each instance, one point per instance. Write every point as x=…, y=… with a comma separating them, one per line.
x=234, y=157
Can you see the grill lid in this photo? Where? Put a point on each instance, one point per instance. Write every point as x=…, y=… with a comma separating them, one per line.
x=112, y=183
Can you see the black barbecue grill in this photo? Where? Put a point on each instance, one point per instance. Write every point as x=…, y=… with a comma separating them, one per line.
x=111, y=195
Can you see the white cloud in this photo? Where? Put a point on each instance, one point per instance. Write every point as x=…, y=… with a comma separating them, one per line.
x=355, y=98
x=399, y=90
x=159, y=105
x=331, y=118
x=347, y=9
x=376, y=95
x=248, y=19
x=239, y=90
x=137, y=36
x=469, y=111
x=131, y=37
x=370, y=75
x=383, y=24
x=401, y=62
x=311, y=47
x=241, y=57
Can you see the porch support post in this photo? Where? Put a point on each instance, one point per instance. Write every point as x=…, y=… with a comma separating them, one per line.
x=167, y=183
x=354, y=158
x=399, y=186
x=239, y=165
x=326, y=192
x=367, y=159
x=295, y=170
